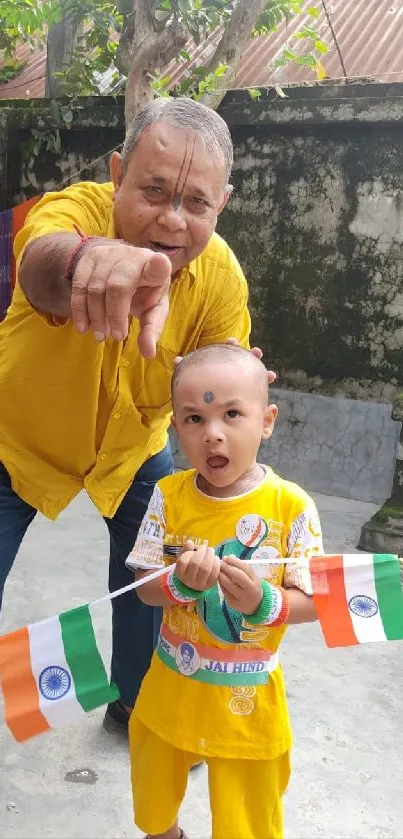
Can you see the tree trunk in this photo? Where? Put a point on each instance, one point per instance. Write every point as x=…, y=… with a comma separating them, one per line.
x=60, y=47
x=137, y=27
x=232, y=46
x=150, y=55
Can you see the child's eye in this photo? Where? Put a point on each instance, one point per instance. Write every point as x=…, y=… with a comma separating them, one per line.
x=193, y=419
x=233, y=413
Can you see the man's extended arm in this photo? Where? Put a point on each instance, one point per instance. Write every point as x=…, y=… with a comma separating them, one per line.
x=111, y=281
x=43, y=273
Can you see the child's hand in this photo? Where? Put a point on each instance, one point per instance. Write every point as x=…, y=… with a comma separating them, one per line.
x=241, y=587
x=198, y=568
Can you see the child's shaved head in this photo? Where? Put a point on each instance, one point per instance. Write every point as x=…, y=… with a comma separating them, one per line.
x=219, y=398
x=231, y=354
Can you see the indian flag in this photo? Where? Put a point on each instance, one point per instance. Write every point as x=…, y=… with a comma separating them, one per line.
x=52, y=673
x=358, y=598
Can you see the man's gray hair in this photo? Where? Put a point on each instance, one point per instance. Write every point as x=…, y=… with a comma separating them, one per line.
x=182, y=113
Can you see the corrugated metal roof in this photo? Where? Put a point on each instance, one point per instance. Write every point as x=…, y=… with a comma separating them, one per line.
x=369, y=33
x=30, y=84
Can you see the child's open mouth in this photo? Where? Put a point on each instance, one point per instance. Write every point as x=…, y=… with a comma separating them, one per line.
x=217, y=461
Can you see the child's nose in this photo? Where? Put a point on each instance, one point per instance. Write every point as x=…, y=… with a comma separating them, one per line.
x=214, y=432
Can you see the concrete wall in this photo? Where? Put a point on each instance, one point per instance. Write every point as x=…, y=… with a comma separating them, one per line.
x=317, y=222
x=315, y=219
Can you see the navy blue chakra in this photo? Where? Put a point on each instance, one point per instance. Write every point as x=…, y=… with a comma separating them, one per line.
x=54, y=682
x=363, y=606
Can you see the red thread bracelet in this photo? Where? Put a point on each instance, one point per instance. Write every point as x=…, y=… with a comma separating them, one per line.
x=74, y=256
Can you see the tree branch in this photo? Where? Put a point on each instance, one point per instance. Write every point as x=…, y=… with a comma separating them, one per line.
x=137, y=27
x=232, y=46
x=60, y=47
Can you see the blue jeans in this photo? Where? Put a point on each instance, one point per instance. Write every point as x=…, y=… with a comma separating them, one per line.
x=135, y=626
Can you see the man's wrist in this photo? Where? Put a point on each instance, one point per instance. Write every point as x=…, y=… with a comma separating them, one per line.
x=77, y=253
x=82, y=246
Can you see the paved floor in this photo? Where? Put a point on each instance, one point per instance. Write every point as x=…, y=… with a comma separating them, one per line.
x=345, y=705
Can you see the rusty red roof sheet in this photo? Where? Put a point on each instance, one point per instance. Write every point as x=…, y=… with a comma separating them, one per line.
x=369, y=33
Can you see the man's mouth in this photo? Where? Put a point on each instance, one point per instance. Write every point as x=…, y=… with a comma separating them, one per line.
x=163, y=247
x=217, y=461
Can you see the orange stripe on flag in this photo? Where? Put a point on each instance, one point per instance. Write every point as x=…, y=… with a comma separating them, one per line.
x=329, y=596
x=21, y=701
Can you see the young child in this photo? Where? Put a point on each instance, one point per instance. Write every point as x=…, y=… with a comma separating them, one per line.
x=215, y=688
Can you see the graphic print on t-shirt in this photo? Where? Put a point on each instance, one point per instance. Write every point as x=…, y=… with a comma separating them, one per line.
x=255, y=537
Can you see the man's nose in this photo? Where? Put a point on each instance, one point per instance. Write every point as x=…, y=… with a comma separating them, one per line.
x=172, y=218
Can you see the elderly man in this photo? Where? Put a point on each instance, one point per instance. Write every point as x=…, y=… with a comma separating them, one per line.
x=115, y=281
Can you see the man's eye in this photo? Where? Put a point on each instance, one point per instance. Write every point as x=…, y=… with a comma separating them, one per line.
x=233, y=413
x=193, y=419
x=153, y=190
x=197, y=204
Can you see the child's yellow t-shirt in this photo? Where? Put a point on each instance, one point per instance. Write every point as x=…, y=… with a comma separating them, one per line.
x=215, y=686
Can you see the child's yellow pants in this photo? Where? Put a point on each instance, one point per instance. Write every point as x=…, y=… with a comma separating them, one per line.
x=245, y=795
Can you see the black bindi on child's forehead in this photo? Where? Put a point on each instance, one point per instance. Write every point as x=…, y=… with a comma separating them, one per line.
x=208, y=396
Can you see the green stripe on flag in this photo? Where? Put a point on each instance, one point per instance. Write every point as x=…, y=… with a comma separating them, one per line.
x=84, y=659
x=390, y=595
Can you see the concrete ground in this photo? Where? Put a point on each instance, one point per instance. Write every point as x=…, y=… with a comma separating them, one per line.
x=345, y=706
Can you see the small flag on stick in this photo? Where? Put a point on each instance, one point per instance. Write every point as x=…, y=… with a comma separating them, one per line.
x=52, y=673
x=358, y=598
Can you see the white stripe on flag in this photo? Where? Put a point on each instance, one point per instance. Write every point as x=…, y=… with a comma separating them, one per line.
x=57, y=696
x=359, y=582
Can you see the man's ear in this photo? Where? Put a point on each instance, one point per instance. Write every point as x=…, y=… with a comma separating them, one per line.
x=116, y=169
x=227, y=193
x=269, y=419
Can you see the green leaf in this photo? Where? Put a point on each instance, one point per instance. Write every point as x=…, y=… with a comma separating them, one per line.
x=55, y=110
x=313, y=11
x=305, y=60
x=320, y=47
x=58, y=142
x=67, y=116
x=254, y=93
x=307, y=32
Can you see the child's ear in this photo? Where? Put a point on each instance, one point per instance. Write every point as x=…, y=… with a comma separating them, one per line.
x=269, y=419
x=173, y=422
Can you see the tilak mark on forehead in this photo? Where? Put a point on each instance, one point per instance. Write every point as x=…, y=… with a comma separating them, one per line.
x=179, y=187
x=208, y=396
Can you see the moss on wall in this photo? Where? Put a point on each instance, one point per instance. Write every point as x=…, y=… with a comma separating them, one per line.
x=317, y=222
